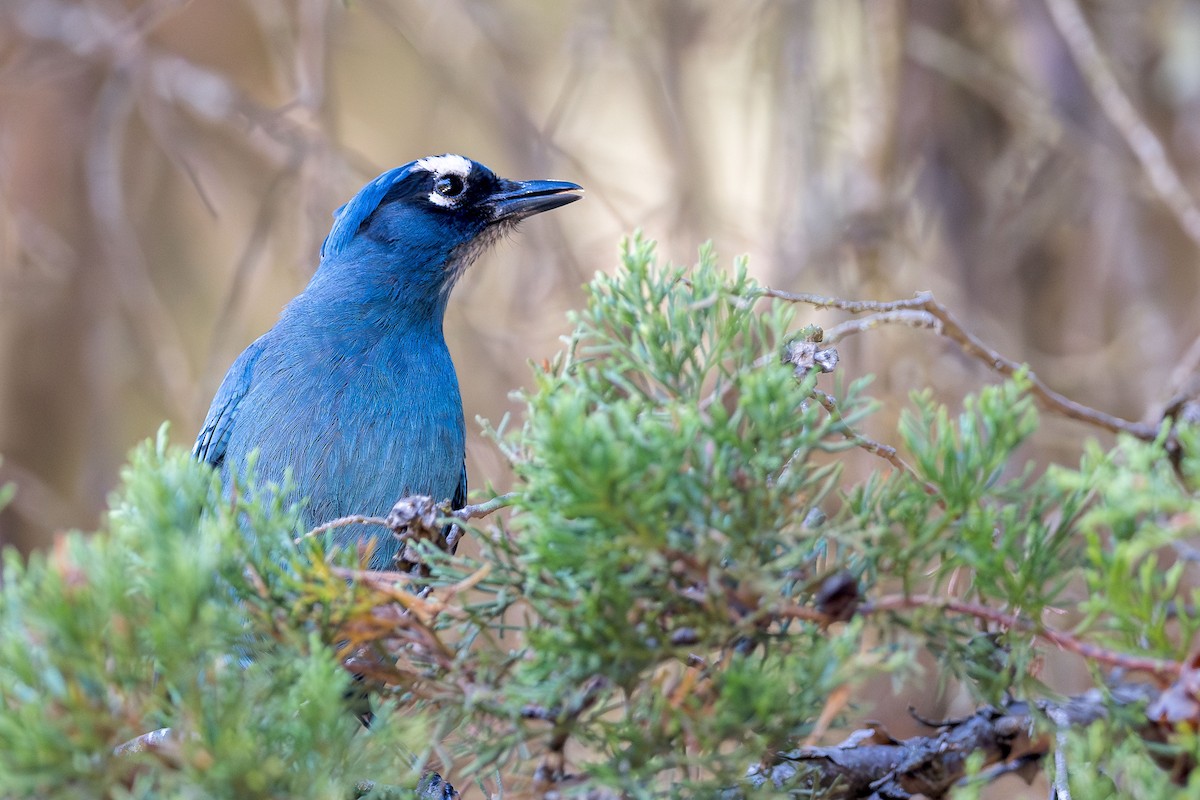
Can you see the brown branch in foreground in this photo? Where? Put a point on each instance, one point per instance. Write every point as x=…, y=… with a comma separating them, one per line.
x=826, y=613
x=872, y=764
x=838, y=600
x=1161, y=668
x=944, y=322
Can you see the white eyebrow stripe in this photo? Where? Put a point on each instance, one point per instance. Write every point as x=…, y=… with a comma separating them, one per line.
x=448, y=164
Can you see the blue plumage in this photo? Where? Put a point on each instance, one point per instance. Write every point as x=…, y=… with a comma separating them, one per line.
x=354, y=388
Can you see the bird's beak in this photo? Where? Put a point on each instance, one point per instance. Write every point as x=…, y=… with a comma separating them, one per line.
x=519, y=199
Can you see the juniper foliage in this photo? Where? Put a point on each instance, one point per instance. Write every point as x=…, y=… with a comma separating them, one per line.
x=651, y=617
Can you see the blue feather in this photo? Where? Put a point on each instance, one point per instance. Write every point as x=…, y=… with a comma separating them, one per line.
x=353, y=389
x=350, y=216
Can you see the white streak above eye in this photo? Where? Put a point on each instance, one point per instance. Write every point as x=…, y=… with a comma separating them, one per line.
x=448, y=164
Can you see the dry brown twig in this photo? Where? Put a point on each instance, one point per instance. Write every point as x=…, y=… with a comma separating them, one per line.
x=924, y=311
x=884, y=451
x=1160, y=668
x=766, y=611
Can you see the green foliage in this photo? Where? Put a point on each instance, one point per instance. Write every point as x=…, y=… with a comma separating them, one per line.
x=653, y=617
x=1137, y=516
x=1130, y=768
x=658, y=452
x=109, y=637
x=668, y=463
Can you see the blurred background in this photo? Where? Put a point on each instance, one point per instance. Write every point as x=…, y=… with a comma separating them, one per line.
x=168, y=170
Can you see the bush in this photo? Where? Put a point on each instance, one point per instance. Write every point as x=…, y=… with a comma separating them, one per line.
x=688, y=585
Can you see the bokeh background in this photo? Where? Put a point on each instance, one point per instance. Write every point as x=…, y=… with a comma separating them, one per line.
x=168, y=170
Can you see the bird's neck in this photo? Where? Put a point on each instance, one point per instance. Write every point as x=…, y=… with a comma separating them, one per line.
x=372, y=290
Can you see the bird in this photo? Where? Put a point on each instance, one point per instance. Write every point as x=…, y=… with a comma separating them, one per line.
x=353, y=389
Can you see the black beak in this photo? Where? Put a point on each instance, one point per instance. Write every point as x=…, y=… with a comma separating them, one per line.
x=519, y=199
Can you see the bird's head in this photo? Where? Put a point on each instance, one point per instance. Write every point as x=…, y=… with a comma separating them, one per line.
x=431, y=217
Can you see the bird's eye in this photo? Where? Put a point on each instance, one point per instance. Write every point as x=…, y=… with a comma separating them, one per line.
x=449, y=186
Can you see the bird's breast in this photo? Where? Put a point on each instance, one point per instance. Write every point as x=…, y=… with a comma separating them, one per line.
x=360, y=426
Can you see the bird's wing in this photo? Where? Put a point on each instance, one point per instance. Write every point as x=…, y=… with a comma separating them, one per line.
x=460, y=494
x=218, y=425
x=458, y=501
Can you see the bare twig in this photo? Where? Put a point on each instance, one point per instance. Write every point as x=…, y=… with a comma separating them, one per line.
x=1161, y=668
x=913, y=319
x=884, y=451
x=765, y=612
x=916, y=303
x=485, y=508
x=147, y=742
x=476, y=511
x=341, y=522
x=945, y=323
x=571, y=710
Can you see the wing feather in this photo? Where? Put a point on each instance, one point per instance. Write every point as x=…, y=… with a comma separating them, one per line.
x=222, y=414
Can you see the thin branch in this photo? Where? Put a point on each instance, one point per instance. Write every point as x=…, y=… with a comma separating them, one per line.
x=341, y=522
x=476, y=511
x=483, y=509
x=947, y=325
x=913, y=319
x=1161, y=668
x=884, y=451
x=147, y=742
x=852, y=306
x=1062, y=723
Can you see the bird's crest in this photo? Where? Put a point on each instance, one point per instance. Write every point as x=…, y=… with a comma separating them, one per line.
x=348, y=218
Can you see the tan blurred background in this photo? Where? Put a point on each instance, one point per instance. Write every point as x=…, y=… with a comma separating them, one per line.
x=168, y=170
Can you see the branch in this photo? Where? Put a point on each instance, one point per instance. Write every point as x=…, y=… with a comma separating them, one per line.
x=1161, y=668
x=884, y=451
x=153, y=741
x=483, y=509
x=872, y=764
x=341, y=522
x=936, y=316
x=465, y=513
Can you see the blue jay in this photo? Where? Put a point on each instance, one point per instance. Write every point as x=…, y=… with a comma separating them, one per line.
x=353, y=388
